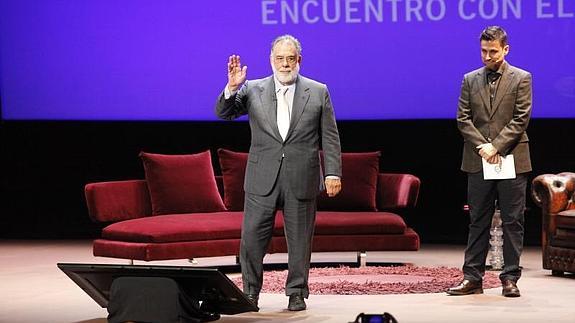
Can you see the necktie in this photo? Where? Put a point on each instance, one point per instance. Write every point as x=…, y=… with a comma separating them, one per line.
x=283, y=112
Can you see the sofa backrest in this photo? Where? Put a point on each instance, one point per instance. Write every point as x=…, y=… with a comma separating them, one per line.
x=122, y=200
x=130, y=199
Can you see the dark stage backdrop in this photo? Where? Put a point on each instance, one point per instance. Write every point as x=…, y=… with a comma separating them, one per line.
x=45, y=165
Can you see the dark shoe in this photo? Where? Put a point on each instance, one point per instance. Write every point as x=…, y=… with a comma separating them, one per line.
x=510, y=289
x=254, y=298
x=209, y=317
x=296, y=303
x=466, y=287
x=208, y=312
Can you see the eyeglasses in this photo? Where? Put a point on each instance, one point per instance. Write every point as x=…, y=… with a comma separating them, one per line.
x=289, y=59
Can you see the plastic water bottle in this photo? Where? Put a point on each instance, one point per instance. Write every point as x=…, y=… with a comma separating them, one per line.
x=495, y=258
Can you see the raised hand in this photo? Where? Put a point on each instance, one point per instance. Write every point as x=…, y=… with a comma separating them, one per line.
x=236, y=73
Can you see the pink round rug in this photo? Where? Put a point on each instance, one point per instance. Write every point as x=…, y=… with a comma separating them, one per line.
x=374, y=280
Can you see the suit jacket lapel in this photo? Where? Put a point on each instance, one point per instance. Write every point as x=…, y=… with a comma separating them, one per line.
x=269, y=106
x=504, y=84
x=481, y=83
x=300, y=98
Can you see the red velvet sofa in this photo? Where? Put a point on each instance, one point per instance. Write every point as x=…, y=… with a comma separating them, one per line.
x=155, y=219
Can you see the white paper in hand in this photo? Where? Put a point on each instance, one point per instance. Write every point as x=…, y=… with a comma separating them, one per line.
x=504, y=170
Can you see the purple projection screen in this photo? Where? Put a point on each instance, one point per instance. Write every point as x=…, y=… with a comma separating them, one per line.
x=166, y=60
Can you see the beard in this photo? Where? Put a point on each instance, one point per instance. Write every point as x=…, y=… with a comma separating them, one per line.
x=286, y=78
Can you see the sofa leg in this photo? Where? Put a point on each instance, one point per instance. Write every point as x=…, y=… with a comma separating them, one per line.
x=131, y=262
x=362, y=259
x=237, y=259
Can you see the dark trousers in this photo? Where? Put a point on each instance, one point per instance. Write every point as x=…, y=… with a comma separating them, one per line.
x=257, y=229
x=482, y=194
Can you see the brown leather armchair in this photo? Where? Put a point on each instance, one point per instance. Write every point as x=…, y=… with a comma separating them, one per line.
x=555, y=195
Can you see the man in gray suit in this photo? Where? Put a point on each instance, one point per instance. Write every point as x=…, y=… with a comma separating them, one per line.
x=290, y=116
x=493, y=114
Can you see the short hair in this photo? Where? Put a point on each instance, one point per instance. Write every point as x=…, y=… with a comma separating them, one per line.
x=287, y=38
x=492, y=33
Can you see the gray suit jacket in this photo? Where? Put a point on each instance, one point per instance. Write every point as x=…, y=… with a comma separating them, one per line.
x=312, y=123
x=504, y=124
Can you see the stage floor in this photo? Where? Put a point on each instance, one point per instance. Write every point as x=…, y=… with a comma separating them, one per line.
x=33, y=289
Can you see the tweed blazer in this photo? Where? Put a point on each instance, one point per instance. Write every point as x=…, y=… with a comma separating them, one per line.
x=502, y=123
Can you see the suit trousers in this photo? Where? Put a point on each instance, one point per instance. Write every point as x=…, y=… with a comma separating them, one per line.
x=510, y=196
x=257, y=230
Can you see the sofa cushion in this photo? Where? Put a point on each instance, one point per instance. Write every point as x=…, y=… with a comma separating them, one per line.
x=149, y=251
x=181, y=183
x=351, y=223
x=233, y=165
x=327, y=223
x=177, y=227
x=359, y=184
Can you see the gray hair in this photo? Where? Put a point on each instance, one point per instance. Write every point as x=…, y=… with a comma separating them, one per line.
x=287, y=38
